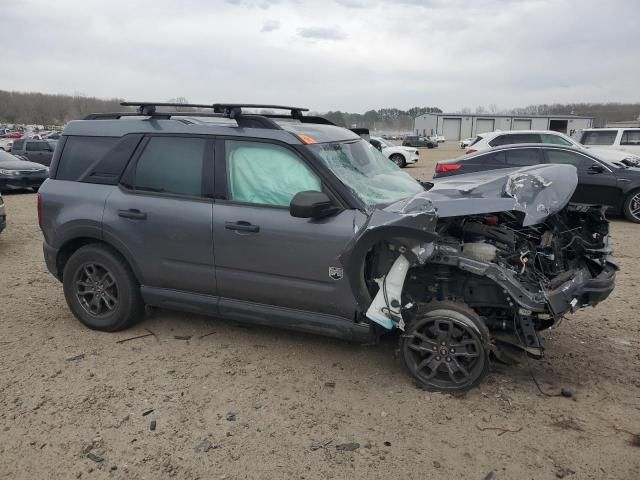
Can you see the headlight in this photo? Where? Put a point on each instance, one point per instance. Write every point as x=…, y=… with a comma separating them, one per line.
x=7, y=172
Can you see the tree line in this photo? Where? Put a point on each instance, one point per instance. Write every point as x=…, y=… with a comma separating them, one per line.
x=46, y=109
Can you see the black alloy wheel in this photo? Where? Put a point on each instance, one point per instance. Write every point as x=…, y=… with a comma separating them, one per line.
x=96, y=289
x=101, y=290
x=446, y=348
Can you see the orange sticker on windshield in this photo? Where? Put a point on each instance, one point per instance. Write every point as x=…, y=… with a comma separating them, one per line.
x=306, y=139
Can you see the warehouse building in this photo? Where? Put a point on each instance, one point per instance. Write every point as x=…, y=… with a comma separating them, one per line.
x=455, y=126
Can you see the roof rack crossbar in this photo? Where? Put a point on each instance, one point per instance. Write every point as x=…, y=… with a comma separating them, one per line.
x=228, y=110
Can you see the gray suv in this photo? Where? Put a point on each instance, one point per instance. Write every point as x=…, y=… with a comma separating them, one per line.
x=290, y=221
x=37, y=151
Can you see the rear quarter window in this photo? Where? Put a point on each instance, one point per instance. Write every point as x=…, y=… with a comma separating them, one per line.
x=18, y=144
x=478, y=138
x=630, y=137
x=80, y=154
x=515, y=138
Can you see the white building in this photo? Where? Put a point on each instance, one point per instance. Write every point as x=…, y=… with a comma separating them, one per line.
x=456, y=126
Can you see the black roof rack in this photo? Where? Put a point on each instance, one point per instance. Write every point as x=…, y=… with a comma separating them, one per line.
x=226, y=110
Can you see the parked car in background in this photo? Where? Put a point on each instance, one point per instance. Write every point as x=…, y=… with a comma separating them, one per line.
x=17, y=174
x=466, y=142
x=38, y=151
x=627, y=139
x=6, y=144
x=600, y=182
x=53, y=135
x=401, y=156
x=438, y=138
x=3, y=214
x=417, y=141
x=487, y=141
x=14, y=135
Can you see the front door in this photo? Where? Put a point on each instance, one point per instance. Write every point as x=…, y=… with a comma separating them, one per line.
x=263, y=254
x=597, y=184
x=162, y=213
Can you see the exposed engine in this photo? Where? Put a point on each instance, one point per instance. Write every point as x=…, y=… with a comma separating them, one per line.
x=519, y=279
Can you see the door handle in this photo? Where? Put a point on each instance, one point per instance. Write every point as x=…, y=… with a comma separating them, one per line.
x=133, y=213
x=241, y=226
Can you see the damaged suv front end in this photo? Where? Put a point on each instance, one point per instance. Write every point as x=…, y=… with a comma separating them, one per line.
x=476, y=265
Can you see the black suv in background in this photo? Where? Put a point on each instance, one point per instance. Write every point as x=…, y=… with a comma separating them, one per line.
x=37, y=151
x=418, y=141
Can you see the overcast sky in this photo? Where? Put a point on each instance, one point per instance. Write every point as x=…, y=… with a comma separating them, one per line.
x=350, y=55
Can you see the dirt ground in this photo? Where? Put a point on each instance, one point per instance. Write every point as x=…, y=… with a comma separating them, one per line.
x=244, y=402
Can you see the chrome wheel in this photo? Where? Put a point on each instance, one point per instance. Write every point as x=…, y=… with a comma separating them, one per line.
x=634, y=207
x=96, y=289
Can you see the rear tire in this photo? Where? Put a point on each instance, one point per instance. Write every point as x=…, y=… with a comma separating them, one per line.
x=446, y=347
x=398, y=160
x=430, y=145
x=631, y=207
x=101, y=290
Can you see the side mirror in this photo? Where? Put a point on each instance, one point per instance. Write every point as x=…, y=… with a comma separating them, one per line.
x=595, y=168
x=311, y=204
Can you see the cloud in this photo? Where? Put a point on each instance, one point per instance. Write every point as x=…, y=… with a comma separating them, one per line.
x=355, y=3
x=387, y=54
x=263, y=4
x=270, y=26
x=322, y=33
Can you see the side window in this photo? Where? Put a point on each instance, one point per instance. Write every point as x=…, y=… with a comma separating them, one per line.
x=630, y=137
x=497, y=158
x=266, y=174
x=18, y=144
x=496, y=142
x=523, y=157
x=32, y=147
x=599, y=137
x=172, y=165
x=555, y=139
x=376, y=144
x=569, y=158
x=80, y=153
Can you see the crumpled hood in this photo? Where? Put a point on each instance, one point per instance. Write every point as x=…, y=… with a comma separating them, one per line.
x=537, y=191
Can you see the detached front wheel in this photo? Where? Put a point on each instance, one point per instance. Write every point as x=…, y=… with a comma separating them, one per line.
x=446, y=347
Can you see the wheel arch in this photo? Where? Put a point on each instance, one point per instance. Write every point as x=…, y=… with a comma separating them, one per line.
x=74, y=244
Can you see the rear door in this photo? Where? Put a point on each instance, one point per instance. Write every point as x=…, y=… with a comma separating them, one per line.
x=597, y=184
x=161, y=213
x=265, y=256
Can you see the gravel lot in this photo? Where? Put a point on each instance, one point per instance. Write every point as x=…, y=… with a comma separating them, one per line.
x=244, y=402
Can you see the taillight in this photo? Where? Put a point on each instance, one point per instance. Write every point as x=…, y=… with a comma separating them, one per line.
x=39, y=207
x=447, y=167
x=471, y=150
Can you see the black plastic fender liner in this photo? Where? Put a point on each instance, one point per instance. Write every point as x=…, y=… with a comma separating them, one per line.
x=405, y=230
